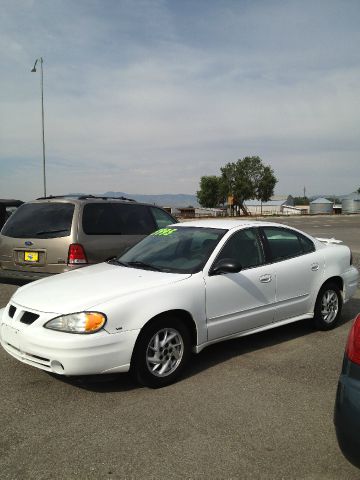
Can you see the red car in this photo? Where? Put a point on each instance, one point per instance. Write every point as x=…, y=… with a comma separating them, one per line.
x=347, y=405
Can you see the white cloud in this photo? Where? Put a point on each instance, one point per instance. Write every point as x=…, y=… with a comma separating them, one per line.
x=148, y=96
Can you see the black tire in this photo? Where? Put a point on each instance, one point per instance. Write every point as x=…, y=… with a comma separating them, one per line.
x=160, y=366
x=328, y=307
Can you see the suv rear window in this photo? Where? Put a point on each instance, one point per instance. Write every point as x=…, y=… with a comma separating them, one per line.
x=40, y=220
x=117, y=219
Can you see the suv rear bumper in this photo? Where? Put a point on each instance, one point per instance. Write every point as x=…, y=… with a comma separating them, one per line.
x=28, y=275
x=17, y=275
x=6, y=274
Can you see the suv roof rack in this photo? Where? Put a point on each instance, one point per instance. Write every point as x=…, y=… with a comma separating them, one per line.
x=56, y=196
x=85, y=197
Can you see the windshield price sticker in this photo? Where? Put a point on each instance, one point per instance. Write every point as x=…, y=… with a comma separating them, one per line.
x=164, y=232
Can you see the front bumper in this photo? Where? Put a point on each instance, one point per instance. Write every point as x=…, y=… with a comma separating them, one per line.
x=66, y=353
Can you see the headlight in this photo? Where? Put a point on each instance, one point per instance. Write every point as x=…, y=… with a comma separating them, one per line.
x=83, y=322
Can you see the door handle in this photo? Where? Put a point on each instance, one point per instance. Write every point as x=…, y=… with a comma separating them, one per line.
x=315, y=267
x=265, y=278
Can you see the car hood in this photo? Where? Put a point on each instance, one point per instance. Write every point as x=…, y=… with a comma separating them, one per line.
x=87, y=287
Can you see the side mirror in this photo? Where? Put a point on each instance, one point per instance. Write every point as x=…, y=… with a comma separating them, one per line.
x=226, y=265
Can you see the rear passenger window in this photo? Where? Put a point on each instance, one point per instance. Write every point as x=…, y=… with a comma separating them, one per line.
x=161, y=217
x=285, y=244
x=117, y=219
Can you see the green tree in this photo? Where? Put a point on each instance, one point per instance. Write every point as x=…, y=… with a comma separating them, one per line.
x=266, y=184
x=301, y=201
x=209, y=194
x=246, y=179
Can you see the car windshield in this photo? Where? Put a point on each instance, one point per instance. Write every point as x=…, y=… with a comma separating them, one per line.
x=173, y=249
x=40, y=220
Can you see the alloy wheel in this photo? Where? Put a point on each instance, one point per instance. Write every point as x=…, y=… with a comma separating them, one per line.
x=329, y=306
x=164, y=352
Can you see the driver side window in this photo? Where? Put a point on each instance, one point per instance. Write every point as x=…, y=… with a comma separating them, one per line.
x=244, y=247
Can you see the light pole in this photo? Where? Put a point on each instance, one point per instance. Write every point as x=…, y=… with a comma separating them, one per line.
x=42, y=115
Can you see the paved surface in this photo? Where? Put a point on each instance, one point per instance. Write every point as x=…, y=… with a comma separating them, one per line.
x=259, y=407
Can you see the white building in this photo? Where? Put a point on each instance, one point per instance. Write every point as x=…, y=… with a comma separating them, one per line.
x=277, y=205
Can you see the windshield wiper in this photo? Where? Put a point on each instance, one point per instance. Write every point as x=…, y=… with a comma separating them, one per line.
x=145, y=266
x=115, y=261
x=43, y=232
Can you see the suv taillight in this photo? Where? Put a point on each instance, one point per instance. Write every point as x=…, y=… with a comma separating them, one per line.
x=353, y=343
x=76, y=254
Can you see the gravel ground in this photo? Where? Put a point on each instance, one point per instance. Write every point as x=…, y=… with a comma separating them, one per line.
x=259, y=407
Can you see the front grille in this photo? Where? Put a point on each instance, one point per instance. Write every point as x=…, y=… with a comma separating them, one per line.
x=12, y=311
x=28, y=318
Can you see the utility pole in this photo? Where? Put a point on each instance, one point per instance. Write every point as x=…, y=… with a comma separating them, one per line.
x=42, y=115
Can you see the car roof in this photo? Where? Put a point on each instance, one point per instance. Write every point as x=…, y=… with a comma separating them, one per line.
x=83, y=199
x=228, y=224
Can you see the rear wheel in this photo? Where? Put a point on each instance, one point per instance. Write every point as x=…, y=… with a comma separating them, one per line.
x=161, y=352
x=328, y=307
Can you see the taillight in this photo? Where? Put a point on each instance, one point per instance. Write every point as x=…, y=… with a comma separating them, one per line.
x=76, y=254
x=353, y=343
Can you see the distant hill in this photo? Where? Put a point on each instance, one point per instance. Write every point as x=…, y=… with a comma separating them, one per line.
x=163, y=200
x=180, y=199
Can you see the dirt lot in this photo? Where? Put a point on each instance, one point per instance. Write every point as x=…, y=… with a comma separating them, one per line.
x=259, y=407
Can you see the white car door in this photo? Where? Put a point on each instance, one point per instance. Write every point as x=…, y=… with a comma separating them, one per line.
x=298, y=269
x=236, y=302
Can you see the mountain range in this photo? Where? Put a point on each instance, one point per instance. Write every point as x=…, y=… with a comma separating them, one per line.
x=177, y=200
x=163, y=200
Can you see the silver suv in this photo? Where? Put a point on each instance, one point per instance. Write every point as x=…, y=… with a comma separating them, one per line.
x=57, y=234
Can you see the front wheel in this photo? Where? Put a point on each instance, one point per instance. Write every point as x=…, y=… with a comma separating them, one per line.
x=328, y=307
x=161, y=352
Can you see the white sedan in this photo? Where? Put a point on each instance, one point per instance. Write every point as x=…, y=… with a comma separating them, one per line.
x=179, y=290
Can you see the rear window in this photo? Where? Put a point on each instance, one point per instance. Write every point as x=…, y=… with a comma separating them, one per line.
x=40, y=220
x=117, y=219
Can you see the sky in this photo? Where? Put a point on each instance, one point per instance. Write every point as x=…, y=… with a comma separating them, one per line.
x=147, y=96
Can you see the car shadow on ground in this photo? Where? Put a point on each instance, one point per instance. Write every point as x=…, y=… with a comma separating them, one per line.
x=223, y=351
x=214, y=354
x=112, y=382
x=10, y=281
